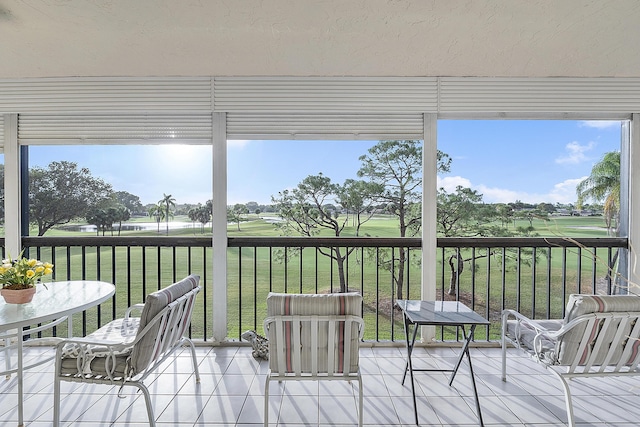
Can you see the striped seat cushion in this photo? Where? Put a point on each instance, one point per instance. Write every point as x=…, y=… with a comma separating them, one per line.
x=322, y=305
x=143, y=352
x=96, y=359
x=579, y=305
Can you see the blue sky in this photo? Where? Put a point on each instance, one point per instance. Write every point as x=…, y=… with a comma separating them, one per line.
x=531, y=161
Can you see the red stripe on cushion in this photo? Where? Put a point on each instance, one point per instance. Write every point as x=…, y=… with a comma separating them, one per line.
x=341, y=328
x=287, y=335
x=634, y=353
x=600, y=302
x=594, y=332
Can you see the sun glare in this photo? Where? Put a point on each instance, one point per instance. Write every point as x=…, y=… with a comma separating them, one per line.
x=183, y=155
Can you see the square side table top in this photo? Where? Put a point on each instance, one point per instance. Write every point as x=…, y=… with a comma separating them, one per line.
x=440, y=313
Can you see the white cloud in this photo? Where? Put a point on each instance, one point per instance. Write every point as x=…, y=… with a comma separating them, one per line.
x=575, y=153
x=600, y=124
x=563, y=192
x=449, y=183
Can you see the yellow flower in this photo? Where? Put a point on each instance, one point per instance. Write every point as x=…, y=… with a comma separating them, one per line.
x=48, y=270
x=30, y=274
x=39, y=269
x=32, y=262
x=48, y=265
x=2, y=270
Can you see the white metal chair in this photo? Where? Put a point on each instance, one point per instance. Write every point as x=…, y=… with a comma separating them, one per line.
x=125, y=351
x=314, y=337
x=599, y=336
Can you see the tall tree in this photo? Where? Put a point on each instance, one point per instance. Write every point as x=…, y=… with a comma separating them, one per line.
x=397, y=167
x=309, y=208
x=201, y=214
x=121, y=214
x=168, y=202
x=130, y=201
x=603, y=184
x=463, y=214
x=236, y=213
x=62, y=192
x=358, y=198
x=157, y=212
x=98, y=217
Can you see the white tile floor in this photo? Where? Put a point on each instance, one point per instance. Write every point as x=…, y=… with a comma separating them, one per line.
x=231, y=394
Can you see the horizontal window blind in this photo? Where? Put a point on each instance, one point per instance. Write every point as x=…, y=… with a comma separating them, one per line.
x=324, y=126
x=331, y=95
x=107, y=94
x=1, y=134
x=34, y=129
x=161, y=109
x=536, y=95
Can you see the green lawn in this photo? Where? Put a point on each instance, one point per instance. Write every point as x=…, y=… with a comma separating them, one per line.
x=262, y=272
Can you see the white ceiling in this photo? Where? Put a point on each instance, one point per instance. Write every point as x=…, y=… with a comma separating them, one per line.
x=522, y=38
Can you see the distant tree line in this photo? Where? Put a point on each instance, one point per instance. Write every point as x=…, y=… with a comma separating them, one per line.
x=390, y=182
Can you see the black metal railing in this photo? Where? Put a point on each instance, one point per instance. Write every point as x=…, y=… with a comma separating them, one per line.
x=533, y=275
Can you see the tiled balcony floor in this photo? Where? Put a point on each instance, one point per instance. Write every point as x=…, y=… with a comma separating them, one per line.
x=231, y=394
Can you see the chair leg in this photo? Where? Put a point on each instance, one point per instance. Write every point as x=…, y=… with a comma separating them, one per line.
x=195, y=361
x=56, y=401
x=503, y=342
x=360, y=401
x=567, y=400
x=147, y=400
x=266, y=402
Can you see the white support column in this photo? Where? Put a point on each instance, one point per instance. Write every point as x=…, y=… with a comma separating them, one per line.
x=12, y=217
x=429, y=206
x=634, y=204
x=219, y=224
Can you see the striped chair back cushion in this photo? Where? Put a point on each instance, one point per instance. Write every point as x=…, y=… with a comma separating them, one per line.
x=318, y=305
x=579, y=305
x=145, y=350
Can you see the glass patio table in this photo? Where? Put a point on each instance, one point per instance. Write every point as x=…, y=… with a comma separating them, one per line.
x=440, y=313
x=54, y=304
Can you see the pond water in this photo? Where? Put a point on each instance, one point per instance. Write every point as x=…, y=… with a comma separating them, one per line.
x=136, y=226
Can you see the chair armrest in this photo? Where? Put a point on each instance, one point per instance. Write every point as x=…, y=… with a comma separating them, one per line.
x=127, y=314
x=85, y=350
x=113, y=347
x=523, y=319
x=525, y=326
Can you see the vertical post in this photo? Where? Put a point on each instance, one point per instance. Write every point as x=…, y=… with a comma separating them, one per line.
x=429, y=204
x=630, y=205
x=219, y=224
x=12, y=198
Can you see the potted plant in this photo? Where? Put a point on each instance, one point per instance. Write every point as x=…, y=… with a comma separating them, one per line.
x=19, y=277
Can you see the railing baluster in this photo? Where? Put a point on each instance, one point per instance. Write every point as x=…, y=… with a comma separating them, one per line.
x=239, y=292
x=300, y=269
x=594, y=271
x=534, y=253
x=548, y=283
x=76, y=262
x=378, y=296
x=579, y=278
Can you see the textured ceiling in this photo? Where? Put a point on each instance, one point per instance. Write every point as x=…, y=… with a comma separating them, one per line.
x=523, y=38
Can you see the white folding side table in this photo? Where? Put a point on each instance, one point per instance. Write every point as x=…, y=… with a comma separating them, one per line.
x=440, y=313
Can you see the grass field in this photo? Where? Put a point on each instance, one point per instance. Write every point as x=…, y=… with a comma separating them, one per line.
x=482, y=285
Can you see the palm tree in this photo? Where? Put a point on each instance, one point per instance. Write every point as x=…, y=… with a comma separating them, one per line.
x=604, y=185
x=167, y=201
x=157, y=212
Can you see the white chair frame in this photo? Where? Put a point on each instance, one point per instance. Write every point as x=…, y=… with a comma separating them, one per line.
x=613, y=325
x=170, y=337
x=275, y=324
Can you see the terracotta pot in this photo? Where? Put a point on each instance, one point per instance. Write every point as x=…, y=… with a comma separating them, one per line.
x=19, y=296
